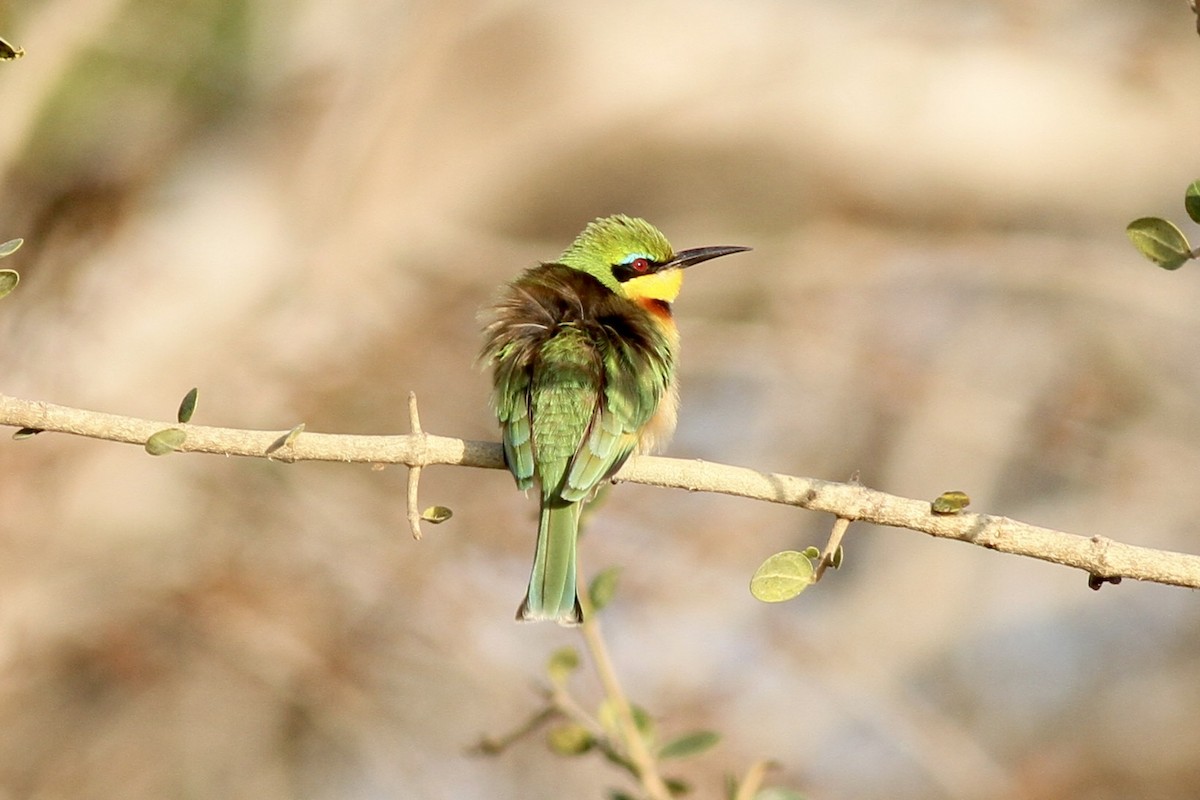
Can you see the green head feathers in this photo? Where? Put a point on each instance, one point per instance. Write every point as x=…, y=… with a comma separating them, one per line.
x=615, y=240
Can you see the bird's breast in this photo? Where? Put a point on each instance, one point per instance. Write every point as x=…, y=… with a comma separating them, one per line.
x=656, y=434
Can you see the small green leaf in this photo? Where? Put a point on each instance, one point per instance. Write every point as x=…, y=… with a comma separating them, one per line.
x=603, y=587
x=811, y=552
x=436, y=515
x=689, y=745
x=287, y=440
x=835, y=560
x=562, y=663
x=165, y=441
x=9, y=52
x=950, y=503
x=643, y=721
x=1160, y=241
x=1191, y=201
x=677, y=787
x=571, y=739
x=8, y=281
x=293, y=435
x=782, y=577
x=10, y=247
x=188, y=406
x=26, y=433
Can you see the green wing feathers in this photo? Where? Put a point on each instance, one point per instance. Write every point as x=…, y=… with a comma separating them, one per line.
x=563, y=401
x=516, y=431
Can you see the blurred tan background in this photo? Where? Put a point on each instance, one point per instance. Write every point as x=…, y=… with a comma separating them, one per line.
x=300, y=207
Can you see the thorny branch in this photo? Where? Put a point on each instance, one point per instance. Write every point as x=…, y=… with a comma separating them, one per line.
x=414, y=470
x=1104, y=560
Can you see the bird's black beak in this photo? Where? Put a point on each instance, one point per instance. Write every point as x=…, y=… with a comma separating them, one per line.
x=686, y=258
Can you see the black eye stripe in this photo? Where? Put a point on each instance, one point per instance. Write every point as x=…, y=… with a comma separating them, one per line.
x=634, y=268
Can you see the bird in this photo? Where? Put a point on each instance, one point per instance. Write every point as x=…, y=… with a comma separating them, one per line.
x=583, y=353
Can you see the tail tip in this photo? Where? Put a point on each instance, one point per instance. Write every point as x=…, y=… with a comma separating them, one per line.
x=569, y=618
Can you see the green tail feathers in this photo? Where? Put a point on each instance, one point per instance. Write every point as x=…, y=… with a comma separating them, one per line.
x=552, y=589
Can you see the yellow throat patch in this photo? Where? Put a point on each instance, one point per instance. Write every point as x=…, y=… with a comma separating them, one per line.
x=662, y=285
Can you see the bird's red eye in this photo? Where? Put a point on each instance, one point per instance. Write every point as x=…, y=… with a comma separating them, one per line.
x=640, y=264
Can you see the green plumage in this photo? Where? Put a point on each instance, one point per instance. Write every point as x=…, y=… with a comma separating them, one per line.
x=582, y=353
x=578, y=370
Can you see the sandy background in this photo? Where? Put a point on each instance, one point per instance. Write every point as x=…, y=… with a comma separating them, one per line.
x=300, y=208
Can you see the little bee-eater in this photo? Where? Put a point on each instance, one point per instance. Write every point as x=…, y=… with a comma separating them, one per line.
x=583, y=353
